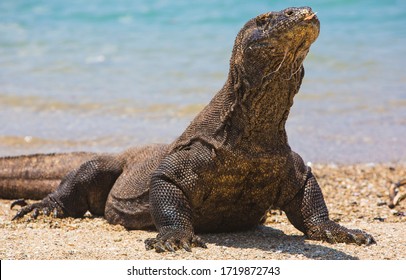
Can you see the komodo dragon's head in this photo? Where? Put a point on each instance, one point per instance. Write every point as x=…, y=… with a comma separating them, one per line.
x=274, y=42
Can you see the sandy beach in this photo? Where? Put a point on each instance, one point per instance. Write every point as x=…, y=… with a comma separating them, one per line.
x=356, y=195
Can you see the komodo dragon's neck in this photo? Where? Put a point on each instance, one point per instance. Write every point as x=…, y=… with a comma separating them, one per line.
x=247, y=116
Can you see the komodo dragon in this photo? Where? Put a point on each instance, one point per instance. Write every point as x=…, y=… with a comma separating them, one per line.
x=232, y=163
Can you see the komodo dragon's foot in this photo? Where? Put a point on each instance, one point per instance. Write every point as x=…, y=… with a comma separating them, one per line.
x=174, y=240
x=45, y=207
x=334, y=233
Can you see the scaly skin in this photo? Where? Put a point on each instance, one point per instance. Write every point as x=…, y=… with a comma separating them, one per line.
x=230, y=165
x=35, y=176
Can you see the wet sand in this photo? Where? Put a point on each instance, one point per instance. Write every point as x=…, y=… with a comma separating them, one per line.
x=356, y=195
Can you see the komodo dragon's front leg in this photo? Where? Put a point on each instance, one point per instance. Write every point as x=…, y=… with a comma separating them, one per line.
x=172, y=185
x=173, y=218
x=308, y=213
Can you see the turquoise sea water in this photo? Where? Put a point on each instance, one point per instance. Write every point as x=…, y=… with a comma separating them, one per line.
x=106, y=75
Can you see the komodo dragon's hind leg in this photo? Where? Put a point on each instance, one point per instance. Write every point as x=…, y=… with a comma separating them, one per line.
x=83, y=189
x=308, y=213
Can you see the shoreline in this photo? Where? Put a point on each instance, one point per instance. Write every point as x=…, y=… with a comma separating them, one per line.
x=40, y=146
x=356, y=196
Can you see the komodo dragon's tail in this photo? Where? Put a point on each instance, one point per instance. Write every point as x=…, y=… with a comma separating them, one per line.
x=35, y=176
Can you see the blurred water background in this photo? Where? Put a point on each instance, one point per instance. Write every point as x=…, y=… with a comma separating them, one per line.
x=106, y=75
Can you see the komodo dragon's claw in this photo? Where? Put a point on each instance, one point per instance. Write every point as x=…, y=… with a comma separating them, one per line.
x=19, y=202
x=174, y=241
x=25, y=210
x=334, y=233
x=46, y=206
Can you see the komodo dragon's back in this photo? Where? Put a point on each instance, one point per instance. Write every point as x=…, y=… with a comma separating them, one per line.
x=232, y=163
